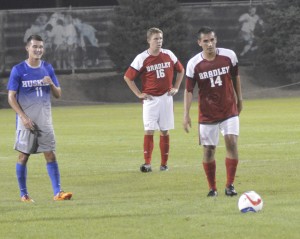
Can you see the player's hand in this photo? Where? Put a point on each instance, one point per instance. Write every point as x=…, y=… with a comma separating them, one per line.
x=28, y=123
x=187, y=123
x=47, y=80
x=173, y=91
x=145, y=96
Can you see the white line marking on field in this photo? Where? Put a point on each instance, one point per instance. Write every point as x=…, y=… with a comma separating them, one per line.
x=264, y=144
x=271, y=144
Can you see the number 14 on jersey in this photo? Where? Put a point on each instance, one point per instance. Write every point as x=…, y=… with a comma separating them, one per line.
x=215, y=81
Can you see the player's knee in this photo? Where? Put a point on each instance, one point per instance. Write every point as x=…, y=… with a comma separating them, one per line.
x=209, y=152
x=164, y=132
x=23, y=158
x=50, y=157
x=231, y=147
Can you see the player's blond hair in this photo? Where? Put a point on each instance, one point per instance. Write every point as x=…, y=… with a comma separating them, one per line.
x=153, y=30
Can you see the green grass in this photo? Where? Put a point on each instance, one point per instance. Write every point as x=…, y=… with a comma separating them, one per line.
x=99, y=149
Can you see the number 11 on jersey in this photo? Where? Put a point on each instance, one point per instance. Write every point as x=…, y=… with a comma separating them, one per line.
x=39, y=92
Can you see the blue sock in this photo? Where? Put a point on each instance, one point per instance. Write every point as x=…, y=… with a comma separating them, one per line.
x=21, y=172
x=54, y=175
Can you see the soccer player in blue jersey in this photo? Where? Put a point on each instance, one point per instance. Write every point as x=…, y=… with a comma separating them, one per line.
x=29, y=87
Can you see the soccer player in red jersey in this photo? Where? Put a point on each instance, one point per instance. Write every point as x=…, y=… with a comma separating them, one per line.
x=156, y=67
x=215, y=71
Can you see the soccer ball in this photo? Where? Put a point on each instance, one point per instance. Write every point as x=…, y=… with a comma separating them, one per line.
x=250, y=202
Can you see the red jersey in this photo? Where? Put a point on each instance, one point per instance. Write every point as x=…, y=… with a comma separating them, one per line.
x=156, y=72
x=217, y=100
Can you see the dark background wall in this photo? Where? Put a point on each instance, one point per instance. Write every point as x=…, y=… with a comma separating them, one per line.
x=101, y=83
x=31, y=4
x=14, y=23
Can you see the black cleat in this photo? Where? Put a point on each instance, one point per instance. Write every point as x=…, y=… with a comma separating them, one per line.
x=230, y=191
x=212, y=193
x=146, y=168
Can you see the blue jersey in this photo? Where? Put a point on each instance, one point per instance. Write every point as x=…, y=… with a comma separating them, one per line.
x=33, y=95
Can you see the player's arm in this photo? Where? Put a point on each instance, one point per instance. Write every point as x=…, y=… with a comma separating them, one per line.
x=131, y=84
x=238, y=90
x=243, y=18
x=12, y=100
x=56, y=91
x=179, y=77
x=188, y=99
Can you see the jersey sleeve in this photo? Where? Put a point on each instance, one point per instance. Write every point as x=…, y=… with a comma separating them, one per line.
x=190, y=84
x=135, y=67
x=235, y=69
x=178, y=66
x=233, y=58
x=190, y=81
x=171, y=54
x=131, y=73
x=14, y=80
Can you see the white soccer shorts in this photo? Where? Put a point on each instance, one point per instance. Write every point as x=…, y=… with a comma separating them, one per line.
x=209, y=133
x=158, y=113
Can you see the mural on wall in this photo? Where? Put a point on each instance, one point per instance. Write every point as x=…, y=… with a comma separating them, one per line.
x=73, y=39
x=239, y=28
x=77, y=38
x=69, y=42
x=251, y=29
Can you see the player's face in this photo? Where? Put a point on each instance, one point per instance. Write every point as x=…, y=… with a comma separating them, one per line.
x=208, y=43
x=35, y=49
x=155, y=41
x=252, y=11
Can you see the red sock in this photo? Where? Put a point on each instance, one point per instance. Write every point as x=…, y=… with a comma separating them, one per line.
x=210, y=171
x=231, y=165
x=148, y=148
x=164, y=148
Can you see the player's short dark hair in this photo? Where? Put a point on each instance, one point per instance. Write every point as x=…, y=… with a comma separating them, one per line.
x=205, y=30
x=34, y=37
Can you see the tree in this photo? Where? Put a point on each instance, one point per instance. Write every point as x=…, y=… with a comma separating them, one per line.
x=132, y=19
x=280, y=45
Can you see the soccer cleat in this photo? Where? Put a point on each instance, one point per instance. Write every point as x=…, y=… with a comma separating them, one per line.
x=62, y=196
x=26, y=198
x=146, y=168
x=212, y=193
x=230, y=191
x=164, y=168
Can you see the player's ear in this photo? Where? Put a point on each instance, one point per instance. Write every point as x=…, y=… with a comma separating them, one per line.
x=199, y=42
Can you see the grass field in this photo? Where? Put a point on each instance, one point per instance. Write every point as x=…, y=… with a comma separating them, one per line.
x=99, y=149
